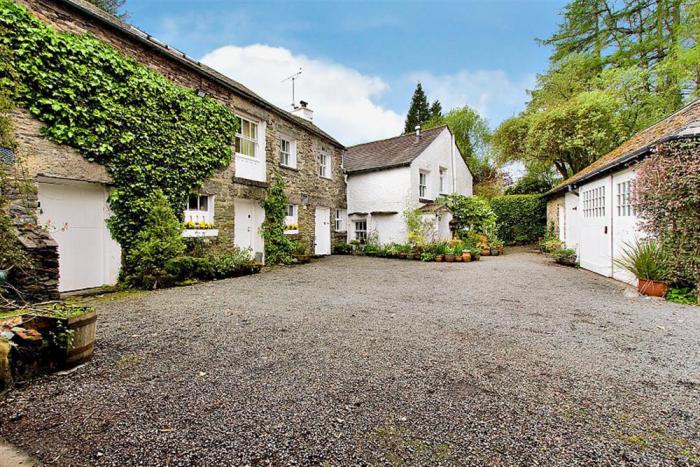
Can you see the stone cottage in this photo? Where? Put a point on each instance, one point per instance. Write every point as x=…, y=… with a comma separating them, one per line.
x=71, y=193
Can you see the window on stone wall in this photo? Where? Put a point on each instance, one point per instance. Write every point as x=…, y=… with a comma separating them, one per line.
x=324, y=164
x=247, y=138
x=288, y=156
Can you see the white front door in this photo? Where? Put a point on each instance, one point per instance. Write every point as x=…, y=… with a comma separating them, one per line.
x=75, y=214
x=323, y=231
x=248, y=219
x=595, y=205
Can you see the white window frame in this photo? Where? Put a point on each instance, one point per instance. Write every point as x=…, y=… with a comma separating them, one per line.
x=240, y=137
x=341, y=220
x=198, y=214
x=443, y=176
x=292, y=219
x=625, y=191
x=290, y=155
x=594, y=202
x=325, y=164
x=360, y=234
x=423, y=185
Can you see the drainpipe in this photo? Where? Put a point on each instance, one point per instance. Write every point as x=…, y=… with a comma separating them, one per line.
x=454, y=163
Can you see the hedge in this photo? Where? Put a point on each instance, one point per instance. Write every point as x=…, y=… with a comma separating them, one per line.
x=520, y=218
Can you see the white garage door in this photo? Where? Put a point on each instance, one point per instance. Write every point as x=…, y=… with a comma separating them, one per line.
x=75, y=213
x=624, y=220
x=595, y=226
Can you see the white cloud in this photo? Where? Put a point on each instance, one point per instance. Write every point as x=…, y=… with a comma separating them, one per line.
x=342, y=98
x=493, y=93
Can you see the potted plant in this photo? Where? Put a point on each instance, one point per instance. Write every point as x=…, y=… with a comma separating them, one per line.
x=647, y=260
x=476, y=253
x=427, y=256
x=449, y=255
x=458, y=250
x=565, y=256
x=466, y=256
x=301, y=252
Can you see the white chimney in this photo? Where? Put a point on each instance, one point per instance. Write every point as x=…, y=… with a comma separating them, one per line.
x=417, y=133
x=304, y=111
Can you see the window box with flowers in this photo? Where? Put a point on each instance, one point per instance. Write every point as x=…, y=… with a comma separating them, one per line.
x=199, y=217
x=292, y=220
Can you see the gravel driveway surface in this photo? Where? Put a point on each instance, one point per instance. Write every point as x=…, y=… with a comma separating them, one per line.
x=352, y=360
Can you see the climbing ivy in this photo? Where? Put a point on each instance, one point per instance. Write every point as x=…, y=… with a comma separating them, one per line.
x=149, y=133
x=279, y=248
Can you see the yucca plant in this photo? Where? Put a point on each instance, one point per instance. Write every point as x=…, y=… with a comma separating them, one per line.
x=646, y=259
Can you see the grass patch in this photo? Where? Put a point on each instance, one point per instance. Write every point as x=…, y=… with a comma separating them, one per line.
x=400, y=446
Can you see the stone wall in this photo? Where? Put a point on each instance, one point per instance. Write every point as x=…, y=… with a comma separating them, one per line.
x=553, y=213
x=40, y=283
x=305, y=180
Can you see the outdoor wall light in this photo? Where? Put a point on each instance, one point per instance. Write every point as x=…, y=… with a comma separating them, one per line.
x=201, y=93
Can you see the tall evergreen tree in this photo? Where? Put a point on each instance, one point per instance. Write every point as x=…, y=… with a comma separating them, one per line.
x=419, y=113
x=436, y=110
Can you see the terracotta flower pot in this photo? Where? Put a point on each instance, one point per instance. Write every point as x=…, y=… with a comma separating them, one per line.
x=652, y=288
x=402, y=255
x=466, y=256
x=501, y=250
x=458, y=258
x=450, y=258
x=438, y=259
x=485, y=252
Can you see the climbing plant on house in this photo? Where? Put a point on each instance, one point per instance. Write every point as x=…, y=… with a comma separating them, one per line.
x=279, y=248
x=149, y=133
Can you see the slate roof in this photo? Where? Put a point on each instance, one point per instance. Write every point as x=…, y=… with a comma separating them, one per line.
x=388, y=153
x=183, y=59
x=682, y=124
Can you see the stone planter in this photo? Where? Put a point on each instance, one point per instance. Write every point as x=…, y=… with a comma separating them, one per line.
x=494, y=252
x=652, y=288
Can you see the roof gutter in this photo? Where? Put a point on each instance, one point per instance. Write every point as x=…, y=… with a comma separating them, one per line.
x=377, y=169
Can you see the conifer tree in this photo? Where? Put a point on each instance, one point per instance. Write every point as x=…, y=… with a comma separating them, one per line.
x=419, y=112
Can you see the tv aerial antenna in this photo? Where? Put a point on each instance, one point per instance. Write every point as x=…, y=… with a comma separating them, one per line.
x=293, y=78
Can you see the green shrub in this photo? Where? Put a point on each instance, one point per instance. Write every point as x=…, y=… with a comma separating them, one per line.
x=519, y=218
x=668, y=204
x=159, y=241
x=213, y=265
x=563, y=253
x=343, y=249
x=469, y=213
x=646, y=259
x=682, y=295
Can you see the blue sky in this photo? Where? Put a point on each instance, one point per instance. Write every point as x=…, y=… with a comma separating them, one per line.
x=361, y=59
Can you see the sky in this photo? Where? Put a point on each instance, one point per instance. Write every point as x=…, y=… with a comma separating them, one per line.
x=361, y=60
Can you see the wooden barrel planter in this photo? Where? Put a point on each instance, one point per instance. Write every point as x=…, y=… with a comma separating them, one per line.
x=83, y=345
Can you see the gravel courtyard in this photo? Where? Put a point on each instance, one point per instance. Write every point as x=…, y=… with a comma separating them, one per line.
x=351, y=360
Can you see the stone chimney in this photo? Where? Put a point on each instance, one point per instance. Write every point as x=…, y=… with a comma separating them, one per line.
x=304, y=111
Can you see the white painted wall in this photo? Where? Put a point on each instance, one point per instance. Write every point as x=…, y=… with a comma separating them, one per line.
x=442, y=152
x=395, y=190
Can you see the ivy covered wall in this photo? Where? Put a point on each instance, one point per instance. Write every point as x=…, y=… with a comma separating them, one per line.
x=148, y=132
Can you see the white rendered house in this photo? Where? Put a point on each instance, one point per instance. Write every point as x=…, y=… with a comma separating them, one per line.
x=387, y=177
